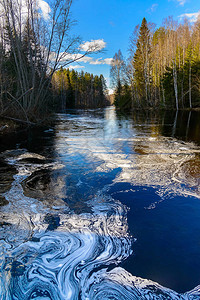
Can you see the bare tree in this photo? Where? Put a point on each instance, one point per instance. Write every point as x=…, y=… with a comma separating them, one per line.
x=40, y=43
x=118, y=74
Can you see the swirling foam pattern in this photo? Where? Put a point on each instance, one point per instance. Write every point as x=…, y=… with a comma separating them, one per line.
x=50, y=252
x=56, y=263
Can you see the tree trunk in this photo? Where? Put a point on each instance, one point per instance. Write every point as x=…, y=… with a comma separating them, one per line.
x=190, y=88
x=175, y=84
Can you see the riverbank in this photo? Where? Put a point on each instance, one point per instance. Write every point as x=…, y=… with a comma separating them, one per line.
x=9, y=126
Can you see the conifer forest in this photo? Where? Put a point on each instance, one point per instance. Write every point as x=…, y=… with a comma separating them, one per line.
x=99, y=150
x=163, y=68
x=35, y=51
x=79, y=90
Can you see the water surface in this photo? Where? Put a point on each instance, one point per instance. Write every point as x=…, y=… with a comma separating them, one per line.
x=102, y=206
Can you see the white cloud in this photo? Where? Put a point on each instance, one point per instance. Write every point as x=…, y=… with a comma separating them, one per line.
x=97, y=61
x=67, y=57
x=192, y=16
x=76, y=67
x=152, y=8
x=93, y=45
x=100, y=61
x=86, y=59
x=45, y=8
x=182, y=2
x=21, y=7
x=75, y=56
x=42, y=7
x=108, y=61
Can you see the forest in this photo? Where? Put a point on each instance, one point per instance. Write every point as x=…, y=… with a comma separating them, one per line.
x=36, y=46
x=163, y=68
x=72, y=89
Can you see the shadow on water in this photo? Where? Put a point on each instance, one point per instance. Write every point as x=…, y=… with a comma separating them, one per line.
x=167, y=235
x=94, y=148
x=183, y=125
x=75, y=189
x=37, y=139
x=6, y=178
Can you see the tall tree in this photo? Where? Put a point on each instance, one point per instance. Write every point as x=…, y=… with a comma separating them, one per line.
x=141, y=62
x=80, y=90
x=118, y=75
x=39, y=42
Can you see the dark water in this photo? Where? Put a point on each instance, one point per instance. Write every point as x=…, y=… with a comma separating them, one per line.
x=102, y=206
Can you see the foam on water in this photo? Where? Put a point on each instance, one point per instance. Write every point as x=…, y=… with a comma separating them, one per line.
x=50, y=252
x=56, y=263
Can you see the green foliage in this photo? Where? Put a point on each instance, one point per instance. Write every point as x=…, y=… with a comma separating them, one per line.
x=141, y=62
x=83, y=90
x=189, y=71
x=167, y=81
x=159, y=36
x=22, y=72
x=124, y=101
x=164, y=67
x=119, y=80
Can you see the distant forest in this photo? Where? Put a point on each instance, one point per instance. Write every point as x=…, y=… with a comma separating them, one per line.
x=72, y=89
x=35, y=50
x=163, y=69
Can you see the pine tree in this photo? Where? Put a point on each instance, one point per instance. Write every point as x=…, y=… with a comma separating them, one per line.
x=73, y=89
x=142, y=63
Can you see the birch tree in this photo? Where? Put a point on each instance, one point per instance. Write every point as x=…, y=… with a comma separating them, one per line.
x=40, y=43
x=118, y=75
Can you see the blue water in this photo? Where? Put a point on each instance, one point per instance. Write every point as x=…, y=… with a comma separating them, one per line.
x=168, y=237
x=101, y=205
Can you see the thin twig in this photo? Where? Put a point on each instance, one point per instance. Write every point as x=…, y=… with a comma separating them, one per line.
x=17, y=100
x=18, y=120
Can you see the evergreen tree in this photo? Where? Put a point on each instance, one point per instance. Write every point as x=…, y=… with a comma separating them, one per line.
x=164, y=66
x=142, y=63
x=73, y=89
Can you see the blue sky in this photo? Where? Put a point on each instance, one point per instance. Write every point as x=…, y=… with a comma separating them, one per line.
x=113, y=21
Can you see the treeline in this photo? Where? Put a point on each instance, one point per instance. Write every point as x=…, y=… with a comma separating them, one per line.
x=28, y=37
x=163, y=69
x=79, y=90
x=24, y=86
x=35, y=41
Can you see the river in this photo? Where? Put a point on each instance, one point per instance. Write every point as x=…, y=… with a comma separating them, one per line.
x=102, y=205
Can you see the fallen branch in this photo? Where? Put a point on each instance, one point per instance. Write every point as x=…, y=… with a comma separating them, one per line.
x=19, y=120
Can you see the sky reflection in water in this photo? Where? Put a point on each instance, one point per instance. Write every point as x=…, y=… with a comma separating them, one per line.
x=102, y=199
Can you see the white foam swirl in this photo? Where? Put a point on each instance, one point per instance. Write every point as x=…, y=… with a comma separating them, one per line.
x=50, y=252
